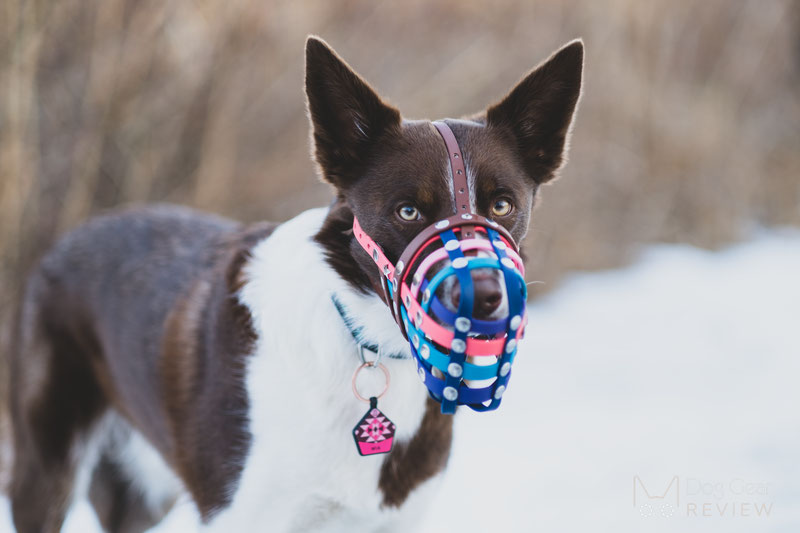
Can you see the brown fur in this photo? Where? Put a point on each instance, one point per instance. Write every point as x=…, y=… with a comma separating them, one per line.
x=425, y=455
x=77, y=364
x=202, y=369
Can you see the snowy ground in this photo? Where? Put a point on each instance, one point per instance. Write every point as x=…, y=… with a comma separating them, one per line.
x=685, y=364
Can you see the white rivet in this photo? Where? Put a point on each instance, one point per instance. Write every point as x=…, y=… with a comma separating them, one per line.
x=460, y=262
x=508, y=262
x=511, y=345
x=425, y=351
x=426, y=296
x=451, y=245
x=375, y=254
x=500, y=245
x=416, y=279
x=466, y=216
x=455, y=370
x=463, y=324
x=499, y=392
x=505, y=369
x=442, y=224
x=419, y=318
x=394, y=284
x=399, y=267
x=421, y=373
x=450, y=393
x=458, y=345
x=415, y=341
x=516, y=320
x=407, y=301
x=386, y=270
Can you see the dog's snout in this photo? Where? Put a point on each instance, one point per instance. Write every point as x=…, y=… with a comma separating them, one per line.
x=488, y=294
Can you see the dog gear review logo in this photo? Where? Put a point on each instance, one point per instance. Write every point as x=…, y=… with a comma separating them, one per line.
x=661, y=501
x=698, y=498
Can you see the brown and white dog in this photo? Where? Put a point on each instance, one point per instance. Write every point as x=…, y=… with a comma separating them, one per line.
x=164, y=352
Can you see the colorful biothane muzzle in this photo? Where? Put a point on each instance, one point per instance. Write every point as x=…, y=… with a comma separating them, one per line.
x=463, y=360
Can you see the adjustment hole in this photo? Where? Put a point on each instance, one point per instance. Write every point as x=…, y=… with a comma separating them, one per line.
x=458, y=172
x=455, y=155
x=461, y=190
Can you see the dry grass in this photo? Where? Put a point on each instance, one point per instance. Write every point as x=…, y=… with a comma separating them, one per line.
x=688, y=130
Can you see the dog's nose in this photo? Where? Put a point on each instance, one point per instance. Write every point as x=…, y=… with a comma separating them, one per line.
x=488, y=295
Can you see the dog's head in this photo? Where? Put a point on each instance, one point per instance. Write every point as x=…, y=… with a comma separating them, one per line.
x=393, y=174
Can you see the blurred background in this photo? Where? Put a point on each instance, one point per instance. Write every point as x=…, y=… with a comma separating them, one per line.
x=688, y=130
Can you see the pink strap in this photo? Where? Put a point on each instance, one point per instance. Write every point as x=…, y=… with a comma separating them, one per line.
x=375, y=251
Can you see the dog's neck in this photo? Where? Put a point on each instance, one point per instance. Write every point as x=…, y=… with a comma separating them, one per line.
x=303, y=362
x=363, y=304
x=364, y=343
x=336, y=238
x=342, y=277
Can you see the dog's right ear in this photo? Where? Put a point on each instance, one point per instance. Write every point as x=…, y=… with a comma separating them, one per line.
x=347, y=115
x=538, y=112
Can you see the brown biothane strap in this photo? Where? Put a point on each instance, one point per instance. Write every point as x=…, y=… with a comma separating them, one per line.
x=457, y=168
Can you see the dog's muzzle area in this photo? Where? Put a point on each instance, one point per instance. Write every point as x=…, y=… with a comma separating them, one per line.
x=458, y=294
x=490, y=302
x=462, y=306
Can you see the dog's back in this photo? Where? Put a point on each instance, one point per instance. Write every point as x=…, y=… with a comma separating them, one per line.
x=73, y=361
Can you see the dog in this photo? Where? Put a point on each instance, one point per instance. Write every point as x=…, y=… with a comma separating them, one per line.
x=162, y=352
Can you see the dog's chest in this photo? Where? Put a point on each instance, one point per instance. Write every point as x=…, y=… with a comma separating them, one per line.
x=303, y=470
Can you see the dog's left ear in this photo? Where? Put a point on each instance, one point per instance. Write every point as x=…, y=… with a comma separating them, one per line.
x=539, y=110
x=347, y=115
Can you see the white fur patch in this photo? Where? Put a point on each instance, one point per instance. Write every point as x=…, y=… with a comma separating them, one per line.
x=139, y=462
x=471, y=182
x=148, y=472
x=303, y=471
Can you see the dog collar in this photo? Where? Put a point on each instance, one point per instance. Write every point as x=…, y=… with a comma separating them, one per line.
x=357, y=333
x=455, y=349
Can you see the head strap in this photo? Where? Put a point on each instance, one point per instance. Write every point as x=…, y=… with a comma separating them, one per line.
x=457, y=168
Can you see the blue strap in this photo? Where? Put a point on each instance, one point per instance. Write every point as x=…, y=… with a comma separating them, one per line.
x=516, y=292
x=458, y=348
x=466, y=395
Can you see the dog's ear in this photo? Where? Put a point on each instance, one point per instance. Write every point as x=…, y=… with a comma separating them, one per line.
x=347, y=115
x=539, y=110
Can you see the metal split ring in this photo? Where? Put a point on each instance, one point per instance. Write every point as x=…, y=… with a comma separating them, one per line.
x=371, y=364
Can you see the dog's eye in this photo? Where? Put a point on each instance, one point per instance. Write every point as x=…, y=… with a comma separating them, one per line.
x=502, y=207
x=408, y=213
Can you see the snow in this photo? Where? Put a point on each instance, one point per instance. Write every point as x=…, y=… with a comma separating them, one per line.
x=684, y=364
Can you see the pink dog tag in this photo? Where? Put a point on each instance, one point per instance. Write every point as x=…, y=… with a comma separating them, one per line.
x=374, y=433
